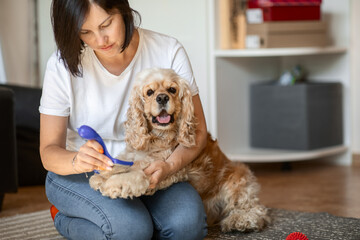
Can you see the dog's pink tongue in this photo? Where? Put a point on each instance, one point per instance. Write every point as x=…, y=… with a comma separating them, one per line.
x=163, y=119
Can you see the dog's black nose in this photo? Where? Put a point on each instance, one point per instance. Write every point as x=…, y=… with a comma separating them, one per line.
x=162, y=98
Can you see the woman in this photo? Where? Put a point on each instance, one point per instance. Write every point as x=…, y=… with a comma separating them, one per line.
x=87, y=81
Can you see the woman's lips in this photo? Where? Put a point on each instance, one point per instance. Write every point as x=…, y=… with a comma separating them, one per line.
x=107, y=48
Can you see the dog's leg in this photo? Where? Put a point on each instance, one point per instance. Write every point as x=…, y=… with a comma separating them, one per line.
x=180, y=176
x=97, y=180
x=133, y=183
x=126, y=185
x=241, y=209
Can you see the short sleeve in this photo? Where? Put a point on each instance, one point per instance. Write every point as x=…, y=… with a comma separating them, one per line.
x=55, y=99
x=181, y=65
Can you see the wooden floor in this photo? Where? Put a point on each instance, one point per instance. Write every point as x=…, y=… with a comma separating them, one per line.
x=312, y=186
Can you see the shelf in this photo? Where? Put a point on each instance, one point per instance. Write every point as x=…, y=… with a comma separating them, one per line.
x=269, y=155
x=277, y=52
x=232, y=71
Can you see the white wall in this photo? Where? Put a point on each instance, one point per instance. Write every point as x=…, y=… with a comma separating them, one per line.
x=2, y=67
x=355, y=75
x=17, y=40
x=46, y=36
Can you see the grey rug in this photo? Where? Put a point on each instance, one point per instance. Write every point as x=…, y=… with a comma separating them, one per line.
x=36, y=225
x=316, y=226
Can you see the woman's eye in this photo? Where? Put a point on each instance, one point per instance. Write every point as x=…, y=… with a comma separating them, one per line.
x=172, y=90
x=106, y=25
x=84, y=32
x=149, y=92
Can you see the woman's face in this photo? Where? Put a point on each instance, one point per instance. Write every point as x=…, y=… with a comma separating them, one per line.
x=102, y=32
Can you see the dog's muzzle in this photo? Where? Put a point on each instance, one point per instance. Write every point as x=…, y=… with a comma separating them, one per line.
x=163, y=118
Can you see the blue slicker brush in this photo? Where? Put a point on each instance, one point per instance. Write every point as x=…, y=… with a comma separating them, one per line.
x=88, y=133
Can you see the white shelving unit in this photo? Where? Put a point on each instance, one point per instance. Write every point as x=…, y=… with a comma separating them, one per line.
x=278, y=52
x=233, y=71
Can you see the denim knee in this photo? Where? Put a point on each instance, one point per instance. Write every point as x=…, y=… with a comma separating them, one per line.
x=188, y=226
x=185, y=230
x=133, y=229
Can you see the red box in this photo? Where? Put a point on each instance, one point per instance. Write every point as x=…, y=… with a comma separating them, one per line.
x=288, y=10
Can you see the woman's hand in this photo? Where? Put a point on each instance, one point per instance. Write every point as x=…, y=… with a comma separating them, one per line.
x=158, y=170
x=56, y=158
x=90, y=157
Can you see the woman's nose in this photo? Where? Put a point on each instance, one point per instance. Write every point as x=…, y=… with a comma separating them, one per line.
x=101, y=39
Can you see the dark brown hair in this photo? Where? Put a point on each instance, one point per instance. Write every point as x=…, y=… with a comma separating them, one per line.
x=67, y=18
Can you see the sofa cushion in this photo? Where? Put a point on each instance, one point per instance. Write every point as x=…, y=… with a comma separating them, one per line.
x=27, y=118
x=27, y=101
x=8, y=177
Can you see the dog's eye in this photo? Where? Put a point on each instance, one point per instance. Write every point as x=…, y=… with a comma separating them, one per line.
x=149, y=92
x=172, y=90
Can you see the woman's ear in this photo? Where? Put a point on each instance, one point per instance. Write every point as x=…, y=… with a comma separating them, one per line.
x=187, y=121
x=137, y=132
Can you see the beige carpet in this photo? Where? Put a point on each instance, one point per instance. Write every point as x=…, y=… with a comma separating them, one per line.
x=37, y=225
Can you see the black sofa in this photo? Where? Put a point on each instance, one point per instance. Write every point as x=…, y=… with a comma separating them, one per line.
x=19, y=138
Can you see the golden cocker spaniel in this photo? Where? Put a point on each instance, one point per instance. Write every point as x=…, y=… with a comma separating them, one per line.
x=161, y=116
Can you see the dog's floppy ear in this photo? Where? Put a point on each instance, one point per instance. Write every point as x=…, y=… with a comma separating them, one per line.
x=137, y=132
x=187, y=120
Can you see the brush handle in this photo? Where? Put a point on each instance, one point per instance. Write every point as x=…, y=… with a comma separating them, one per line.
x=90, y=134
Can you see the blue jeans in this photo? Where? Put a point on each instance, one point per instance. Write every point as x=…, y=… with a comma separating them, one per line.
x=174, y=213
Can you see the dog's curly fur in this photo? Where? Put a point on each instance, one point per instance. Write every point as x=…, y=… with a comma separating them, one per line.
x=161, y=116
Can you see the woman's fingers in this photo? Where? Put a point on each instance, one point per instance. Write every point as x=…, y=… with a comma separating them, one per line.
x=91, y=157
x=95, y=145
x=157, y=171
x=89, y=162
x=81, y=166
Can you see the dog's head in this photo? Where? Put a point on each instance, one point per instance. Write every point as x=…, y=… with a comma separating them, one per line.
x=160, y=104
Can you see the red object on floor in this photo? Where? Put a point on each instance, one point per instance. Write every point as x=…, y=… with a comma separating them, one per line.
x=53, y=211
x=297, y=236
x=288, y=10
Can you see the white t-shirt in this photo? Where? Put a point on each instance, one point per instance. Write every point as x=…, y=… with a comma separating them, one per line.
x=99, y=99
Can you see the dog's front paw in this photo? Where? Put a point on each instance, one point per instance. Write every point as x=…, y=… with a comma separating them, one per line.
x=126, y=185
x=96, y=181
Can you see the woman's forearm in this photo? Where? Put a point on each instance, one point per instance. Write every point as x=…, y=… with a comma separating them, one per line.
x=58, y=160
x=54, y=156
